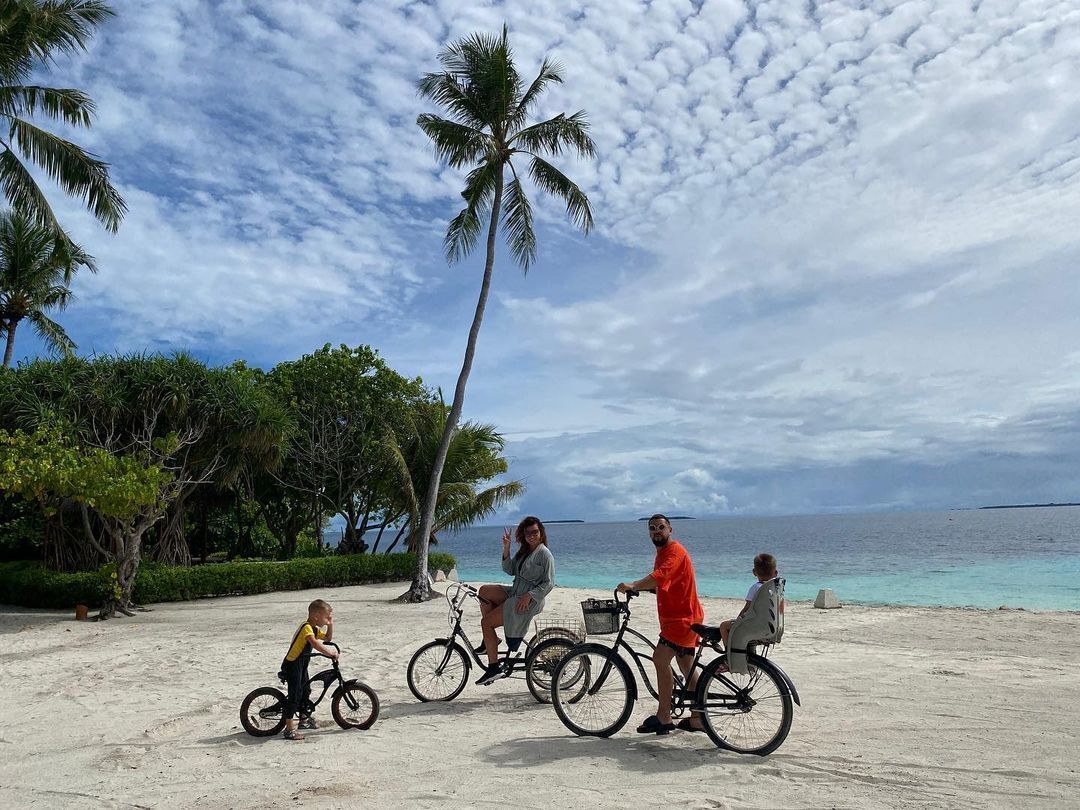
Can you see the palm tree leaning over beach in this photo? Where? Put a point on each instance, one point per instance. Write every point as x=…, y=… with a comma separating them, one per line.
x=36, y=266
x=32, y=34
x=488, y=106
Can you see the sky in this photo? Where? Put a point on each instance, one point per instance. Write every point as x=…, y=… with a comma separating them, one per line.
x=833, y=269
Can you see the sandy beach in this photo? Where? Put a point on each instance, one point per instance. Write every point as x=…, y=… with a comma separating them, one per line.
x=902, y=707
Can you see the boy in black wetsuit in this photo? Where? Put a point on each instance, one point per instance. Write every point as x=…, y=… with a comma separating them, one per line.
x=318, y=628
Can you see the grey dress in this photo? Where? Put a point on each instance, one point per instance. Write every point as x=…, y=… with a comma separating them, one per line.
x=534, y=575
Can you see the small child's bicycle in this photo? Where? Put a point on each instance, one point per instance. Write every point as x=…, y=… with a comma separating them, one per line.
x=354, y=704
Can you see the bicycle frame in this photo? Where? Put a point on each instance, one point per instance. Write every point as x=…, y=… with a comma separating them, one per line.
x=456, y=594
x=681, y=696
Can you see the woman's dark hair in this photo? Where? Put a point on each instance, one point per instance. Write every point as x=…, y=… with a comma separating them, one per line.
x=519, y=534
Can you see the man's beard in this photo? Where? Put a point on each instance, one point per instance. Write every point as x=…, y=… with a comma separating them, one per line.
x=659, y=543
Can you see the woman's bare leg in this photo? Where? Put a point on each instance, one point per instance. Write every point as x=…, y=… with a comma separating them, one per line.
x=492, y=618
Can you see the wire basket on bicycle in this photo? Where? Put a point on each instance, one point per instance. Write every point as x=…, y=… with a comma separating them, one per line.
x=601, y=616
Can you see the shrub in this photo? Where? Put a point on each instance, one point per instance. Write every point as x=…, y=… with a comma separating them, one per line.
x=30, y=585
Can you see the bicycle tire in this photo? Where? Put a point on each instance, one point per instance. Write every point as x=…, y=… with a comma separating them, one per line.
x=427, y=685
x=748, y=714
x=587, y=712
x=263, y=718
x=541, y=663
x=366, y=711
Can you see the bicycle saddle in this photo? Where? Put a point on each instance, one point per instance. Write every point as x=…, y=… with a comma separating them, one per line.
x=706, y=631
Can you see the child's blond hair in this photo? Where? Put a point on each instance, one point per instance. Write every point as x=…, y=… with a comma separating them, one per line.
x=319, y=606
x=765, y=564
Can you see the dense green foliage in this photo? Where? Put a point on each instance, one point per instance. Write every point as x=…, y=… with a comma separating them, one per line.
x=31, y=585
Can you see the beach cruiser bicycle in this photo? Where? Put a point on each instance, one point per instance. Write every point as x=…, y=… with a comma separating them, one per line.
x=745, y=701
x=354, y=704
x=439, y=670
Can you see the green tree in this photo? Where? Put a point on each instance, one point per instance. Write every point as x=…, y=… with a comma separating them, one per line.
x=205, y=426
x=473, y=459
x=36, y=267
x=346, y=404
x=128, y=493
x=488, y=106
x=32, y=34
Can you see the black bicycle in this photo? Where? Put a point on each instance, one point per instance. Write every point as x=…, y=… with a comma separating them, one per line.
x=354, y=704
x=439, y=670
x=594, y=689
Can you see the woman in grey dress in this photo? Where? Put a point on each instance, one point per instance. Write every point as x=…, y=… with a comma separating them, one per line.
x=515, y=606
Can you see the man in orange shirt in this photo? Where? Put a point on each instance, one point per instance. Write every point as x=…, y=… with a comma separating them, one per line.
x=678, y=607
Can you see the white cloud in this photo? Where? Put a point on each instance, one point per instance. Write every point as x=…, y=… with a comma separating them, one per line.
x=828, y=235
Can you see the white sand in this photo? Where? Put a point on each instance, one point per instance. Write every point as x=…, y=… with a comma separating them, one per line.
x=901, y=708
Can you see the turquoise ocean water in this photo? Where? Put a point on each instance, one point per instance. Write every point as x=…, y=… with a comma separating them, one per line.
x=1027, y=557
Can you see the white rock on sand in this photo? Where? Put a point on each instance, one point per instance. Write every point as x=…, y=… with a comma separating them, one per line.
x=902, y=707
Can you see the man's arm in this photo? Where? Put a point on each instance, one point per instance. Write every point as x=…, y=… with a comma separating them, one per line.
x=646, y=583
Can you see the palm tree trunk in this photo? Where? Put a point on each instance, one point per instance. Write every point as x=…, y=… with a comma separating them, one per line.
x=421, y=588
x=9, y=350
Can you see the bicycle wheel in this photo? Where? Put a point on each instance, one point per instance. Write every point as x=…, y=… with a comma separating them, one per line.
x=427, y=681
x=263, y=712
x=355, y=705
x=585, y=704
x=749, y=714
x=541, y=663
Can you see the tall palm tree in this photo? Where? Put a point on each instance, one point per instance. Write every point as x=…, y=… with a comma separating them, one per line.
x=36, y=266
x=32, y=34
x=488, y=106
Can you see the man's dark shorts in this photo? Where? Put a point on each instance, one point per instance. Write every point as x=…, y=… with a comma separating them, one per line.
x=680, y=651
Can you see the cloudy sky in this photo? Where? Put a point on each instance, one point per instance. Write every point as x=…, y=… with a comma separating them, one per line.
x=835, y=263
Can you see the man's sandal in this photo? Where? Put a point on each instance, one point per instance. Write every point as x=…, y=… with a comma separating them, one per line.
x=652, y=725
x=293, y=735
x=307, y=723
x=685, y=725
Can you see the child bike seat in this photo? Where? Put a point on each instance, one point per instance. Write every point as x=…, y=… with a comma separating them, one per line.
x=762, y=624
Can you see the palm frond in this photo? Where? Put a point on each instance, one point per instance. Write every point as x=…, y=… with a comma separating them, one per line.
x=23, y=192
x=463, y=230
x=550, y=73
x=78, y=173
x=557, y=184
x=455, y=143
x=518, y=222
x=52, y=334
x=71, y=106
x=557, y=135
x=448, y=92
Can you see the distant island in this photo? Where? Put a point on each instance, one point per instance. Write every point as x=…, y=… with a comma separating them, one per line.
x=549, y=522
x=675, y=517
x=1028, y=505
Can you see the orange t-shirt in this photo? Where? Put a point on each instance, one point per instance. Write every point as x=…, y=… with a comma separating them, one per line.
x=677, y=602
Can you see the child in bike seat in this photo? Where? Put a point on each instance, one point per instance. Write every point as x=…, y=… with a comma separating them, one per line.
x=764, y=570
x=309, y=637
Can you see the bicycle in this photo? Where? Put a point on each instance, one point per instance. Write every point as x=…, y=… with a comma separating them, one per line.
x=439, y=670
x=354, y=704
x=594, y=690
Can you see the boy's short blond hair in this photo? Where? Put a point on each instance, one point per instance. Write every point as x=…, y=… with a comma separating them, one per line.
x=765, y=564
x=319, y=606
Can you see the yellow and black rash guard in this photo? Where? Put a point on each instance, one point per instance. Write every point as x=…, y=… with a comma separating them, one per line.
x=300, y=640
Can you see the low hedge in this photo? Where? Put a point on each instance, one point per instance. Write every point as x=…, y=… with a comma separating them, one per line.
x=30, y=585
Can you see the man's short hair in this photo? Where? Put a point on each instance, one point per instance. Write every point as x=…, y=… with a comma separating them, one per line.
x=658, y=516
x=319, y=606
